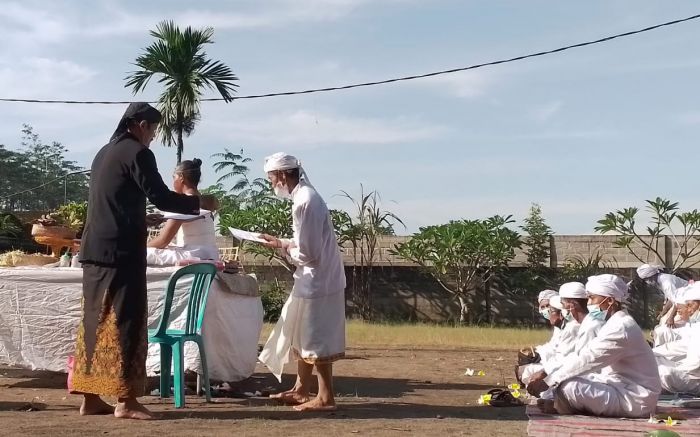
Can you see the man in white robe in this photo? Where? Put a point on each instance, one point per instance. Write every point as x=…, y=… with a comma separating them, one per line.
x=628, y=384
x=682, y=374
x=575, y=300
x=311, y=328
x=668, y=285
x=566, y=338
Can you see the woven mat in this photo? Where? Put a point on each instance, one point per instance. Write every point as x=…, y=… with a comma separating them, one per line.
x=552, y=425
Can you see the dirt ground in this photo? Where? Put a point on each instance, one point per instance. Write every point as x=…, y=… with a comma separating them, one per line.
x=381, y=392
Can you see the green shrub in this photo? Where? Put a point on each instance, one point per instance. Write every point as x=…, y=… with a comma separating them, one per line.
x=273, y=297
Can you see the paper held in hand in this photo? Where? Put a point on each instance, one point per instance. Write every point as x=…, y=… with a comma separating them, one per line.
x=245, y=235
x=185, y=217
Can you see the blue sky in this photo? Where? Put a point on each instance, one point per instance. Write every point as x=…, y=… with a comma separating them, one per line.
x=580, y=133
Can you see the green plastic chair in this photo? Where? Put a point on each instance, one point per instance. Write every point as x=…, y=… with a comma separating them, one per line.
x=176, y=338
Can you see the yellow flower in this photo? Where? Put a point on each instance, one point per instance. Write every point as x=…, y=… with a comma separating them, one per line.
x=515, y=393
x=484, y=399
x=514, y=386
x=481, y=373
x=670, y=421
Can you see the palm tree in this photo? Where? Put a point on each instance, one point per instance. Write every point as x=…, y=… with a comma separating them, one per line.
x=179, y=60
x=245, y=189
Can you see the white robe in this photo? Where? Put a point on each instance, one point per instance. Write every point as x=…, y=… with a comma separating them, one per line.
x=628, y=384
x=562, y=342
x=587, y=332
x=547, y=350
x=566, y=345
x=669, y=285
x=681, y=375
x=312, y=324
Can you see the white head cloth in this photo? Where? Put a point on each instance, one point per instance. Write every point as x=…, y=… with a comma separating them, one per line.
x=681, y=298
x=555, y=302
x=608, y=286
x=692, y=292
x=573, y=290
x=546, y=295
x=282, y=161
x=646, y=271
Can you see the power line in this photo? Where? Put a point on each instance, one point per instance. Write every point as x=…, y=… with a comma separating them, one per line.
x=386, y=81
x=29, y=190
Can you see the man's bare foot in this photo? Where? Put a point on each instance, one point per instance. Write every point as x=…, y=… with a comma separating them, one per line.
x=317, y=404
x=93, y=405
x=547, y=406
x=132, y=409
x=291, y=397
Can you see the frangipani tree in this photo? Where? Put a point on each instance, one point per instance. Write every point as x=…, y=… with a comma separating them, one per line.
x=463, y=254
x=666, y=221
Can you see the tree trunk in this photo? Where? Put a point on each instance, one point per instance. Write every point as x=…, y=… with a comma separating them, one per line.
x=463, y=310
x=487, y=300
x=180, y=145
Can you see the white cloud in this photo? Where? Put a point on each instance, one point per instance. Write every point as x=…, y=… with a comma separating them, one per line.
x=309, y=129
x=464, y=84
x=544, y=113
x=38, y=76
x=689, y=118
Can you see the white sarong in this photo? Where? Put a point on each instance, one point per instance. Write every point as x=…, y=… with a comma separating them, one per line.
x=312, y=330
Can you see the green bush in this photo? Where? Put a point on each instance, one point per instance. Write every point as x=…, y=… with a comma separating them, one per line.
x=273, y=297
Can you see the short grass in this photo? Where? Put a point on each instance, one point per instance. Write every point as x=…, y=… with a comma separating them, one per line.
x=430, y=336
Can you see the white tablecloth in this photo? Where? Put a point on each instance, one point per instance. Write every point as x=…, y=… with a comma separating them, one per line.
x=40, y=309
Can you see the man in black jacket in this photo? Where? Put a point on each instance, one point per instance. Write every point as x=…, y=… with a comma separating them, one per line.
x=111, y=348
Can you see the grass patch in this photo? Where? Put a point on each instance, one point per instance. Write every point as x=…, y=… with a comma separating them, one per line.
x=363, y=334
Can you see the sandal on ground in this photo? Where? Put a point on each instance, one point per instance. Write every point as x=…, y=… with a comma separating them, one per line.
x=503, y=398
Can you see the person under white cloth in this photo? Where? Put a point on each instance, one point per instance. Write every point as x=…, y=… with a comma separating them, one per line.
x=311, y=328
x=628, y=383
x=680, y=372
x=564, y=345
x=668, y=285
x=193, y=239
x=664, y=334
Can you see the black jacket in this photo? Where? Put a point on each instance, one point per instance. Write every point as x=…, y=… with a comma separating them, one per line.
x=124, y=173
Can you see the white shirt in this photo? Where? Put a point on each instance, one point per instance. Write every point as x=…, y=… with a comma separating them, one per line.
x=691, y=363
x=546, y=350
x=565, y=346
x=587, y=332
x=314, y=248
x=625, y=361
x=669, y=285
x=199, y=237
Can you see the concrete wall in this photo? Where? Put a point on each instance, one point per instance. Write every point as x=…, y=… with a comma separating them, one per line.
x=565, y=248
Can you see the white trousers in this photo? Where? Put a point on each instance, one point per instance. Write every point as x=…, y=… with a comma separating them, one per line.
x=677, y=381
x=589, y=395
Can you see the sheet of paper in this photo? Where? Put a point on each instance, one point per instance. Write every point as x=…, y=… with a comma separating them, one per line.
x=245, y=235
x=181, y=217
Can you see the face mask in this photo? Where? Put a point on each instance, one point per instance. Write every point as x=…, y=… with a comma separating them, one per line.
x=695, y=318
x=596, y=313
x=545, y=313
x=567, y=315
x=282, y=192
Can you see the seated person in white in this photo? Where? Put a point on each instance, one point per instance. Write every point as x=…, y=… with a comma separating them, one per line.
x=669, y=285
x=615, y=375
x=679, y=361
x=194, y=239
x=566, y=339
